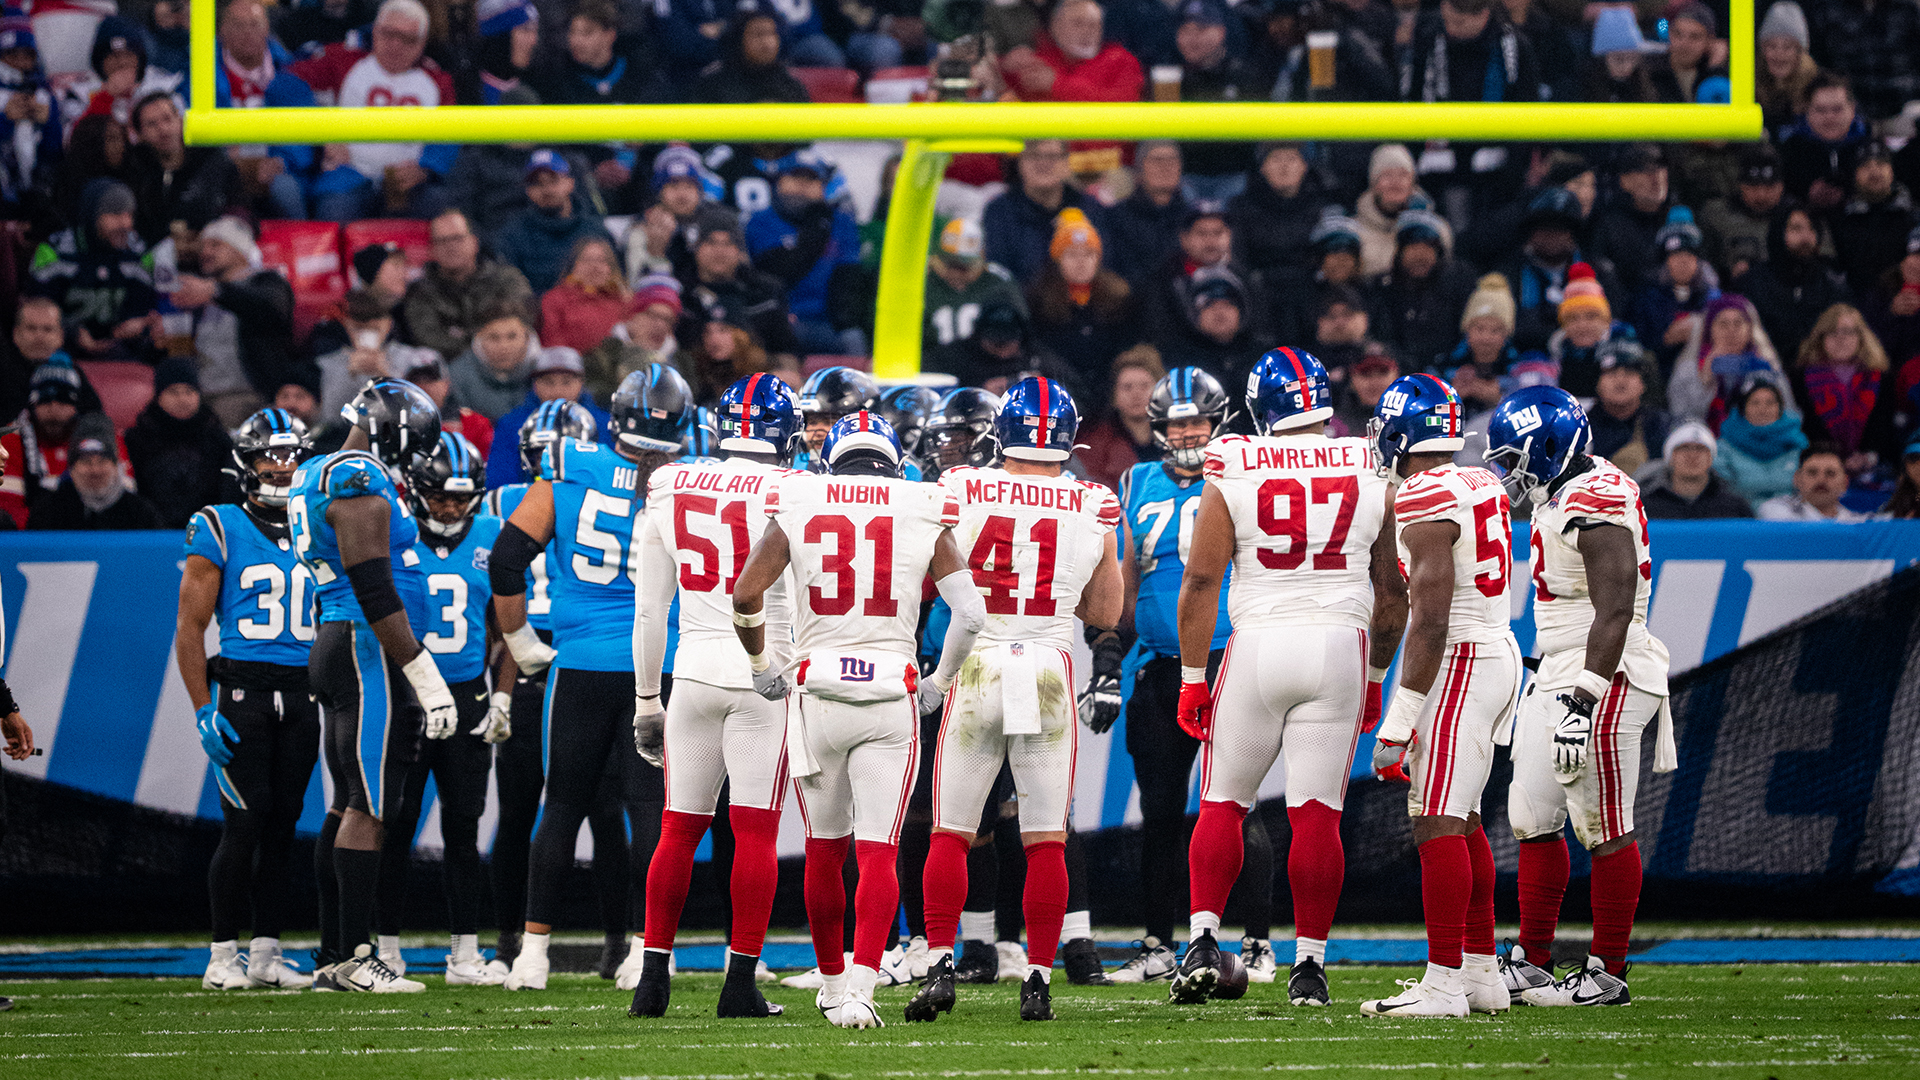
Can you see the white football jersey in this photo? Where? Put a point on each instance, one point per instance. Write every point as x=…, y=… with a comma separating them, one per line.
x=860, y=547
x=708, y=515
x=1306, y=509
x=1471, y=498
x=1033, y=543
x=1562, y=606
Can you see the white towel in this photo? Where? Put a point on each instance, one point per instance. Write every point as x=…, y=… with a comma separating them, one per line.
x=1019, y=691
x=799, y=761
x=1666, y=756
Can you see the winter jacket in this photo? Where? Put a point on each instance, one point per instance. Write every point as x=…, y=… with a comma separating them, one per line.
x=577, y=318
x=503, y=460
x=1875, y=45
x=1537, y=292
x=540, y=244
x=1870, y=238
x=1732, y=231
x=443, y=315
x=1270, y=230
x=749, y=299
x=1805, y=157
x=1139, y=236
x=1790, y=292
x=262, y=305
x=1660, y=303
x=476, y=386
x=1420, y=318
x=1719, y=500
x=1623, y=235
x=946, y=337
x=97, y=285
x=1377, y=244
x=1630, y=443
x=177, y=464
x=284, y=90
x=1019, y=230
x=62, y=510
x=804, y=248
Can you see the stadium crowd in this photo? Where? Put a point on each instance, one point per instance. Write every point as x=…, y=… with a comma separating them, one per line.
x=1744, y=320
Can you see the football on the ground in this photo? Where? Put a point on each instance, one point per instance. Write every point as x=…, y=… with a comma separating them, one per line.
x=1232, y=982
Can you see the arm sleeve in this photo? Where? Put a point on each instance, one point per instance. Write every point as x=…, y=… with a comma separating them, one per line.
x=507, y=566
x=969, y=618
x=654, y=598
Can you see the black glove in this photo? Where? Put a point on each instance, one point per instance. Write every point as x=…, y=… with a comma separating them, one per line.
x=1100, y=702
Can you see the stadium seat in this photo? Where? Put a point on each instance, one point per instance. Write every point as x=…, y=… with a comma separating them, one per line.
x=414, y=237
x=307, y=254
x=897, y=85
x=125, y=387
x=826, y=360
x=827, y=84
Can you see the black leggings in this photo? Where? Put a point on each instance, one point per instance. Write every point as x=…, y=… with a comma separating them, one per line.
x=1162, y=766
x=261, y=793
x=459, y=767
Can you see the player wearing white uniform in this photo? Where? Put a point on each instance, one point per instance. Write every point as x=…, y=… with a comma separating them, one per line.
x=1042, y=547
x=1602, y=680
x=1297, y=515
x=1455, y=541
x=860, y=541
x=702, y=518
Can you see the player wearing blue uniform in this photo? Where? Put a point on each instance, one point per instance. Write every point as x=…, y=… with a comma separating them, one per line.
x=257, y=718
x=1159, y=501
x=826, y=396
x=373, y=678
x=586, y=501
x=445, y=489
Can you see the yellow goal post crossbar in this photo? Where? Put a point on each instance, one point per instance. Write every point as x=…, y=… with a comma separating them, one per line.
x=935, y=130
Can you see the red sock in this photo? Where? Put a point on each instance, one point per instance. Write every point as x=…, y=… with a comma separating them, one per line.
x=669, y=874
x=1045, y=902
x=1616, y=893
x=827, y=901
x=1446, y=886
x=1479, y=939
x=756, y=873
x=1316, y=868
x=1214, y=854
x=1543, y=884
x=944, y=885
x=875, y=901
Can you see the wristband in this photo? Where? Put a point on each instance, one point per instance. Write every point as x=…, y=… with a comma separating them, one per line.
x=520, y=640
x=1596, y=685
x=1192, y=674
x=1376, y=674
x=757, y=618
x=423, y=673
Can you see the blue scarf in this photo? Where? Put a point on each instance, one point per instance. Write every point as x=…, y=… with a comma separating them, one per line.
x=1783, y=436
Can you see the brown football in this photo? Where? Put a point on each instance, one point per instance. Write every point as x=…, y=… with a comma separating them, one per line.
x=1232, y=983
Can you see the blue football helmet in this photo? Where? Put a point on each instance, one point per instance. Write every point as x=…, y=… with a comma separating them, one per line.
x=861, y=435
x=651, y=410
x=1037, y=421
x=1418, y=414
x=1533, y=436
x=1288, y=388
x=554, y=421
x=760, y=415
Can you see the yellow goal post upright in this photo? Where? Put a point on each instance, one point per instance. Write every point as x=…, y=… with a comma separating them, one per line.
x=933, y=131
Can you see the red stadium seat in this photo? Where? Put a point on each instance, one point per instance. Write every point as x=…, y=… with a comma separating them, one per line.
x=827, y=84
x=897, y=85
x=414, y=237
x=125, y=387
x=826, y=360
x=308, y=254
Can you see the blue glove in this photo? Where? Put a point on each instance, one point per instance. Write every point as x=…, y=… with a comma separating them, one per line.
x=215, y=734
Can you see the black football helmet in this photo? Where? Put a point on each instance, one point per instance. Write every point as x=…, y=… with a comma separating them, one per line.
x=908, y=408
x=453, y=469
x=960, y=431
x=399, y=418
x=554, y=421
x=1181, y=393
x=836, y=392
x=275, y=435
x=651, y=411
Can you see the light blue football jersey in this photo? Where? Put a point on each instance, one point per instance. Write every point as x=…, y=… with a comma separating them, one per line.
x=1160, y=512
x=595, y=504
x=501, y=503
x=352, y=474
x=458, y=595
x=266, y=605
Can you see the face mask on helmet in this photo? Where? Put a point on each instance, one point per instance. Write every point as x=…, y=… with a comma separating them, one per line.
x=263, y=467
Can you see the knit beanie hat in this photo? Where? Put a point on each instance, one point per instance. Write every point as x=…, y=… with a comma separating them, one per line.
x=1583, y=292
x=1679, y=233
x=1492, y=298
x=1416, y=225
x=1335, y=231
x=173, y=371
x=1388, y=156
x=16, y=30
x=1785, y=19
x=1616, y=30
x=1071, y=227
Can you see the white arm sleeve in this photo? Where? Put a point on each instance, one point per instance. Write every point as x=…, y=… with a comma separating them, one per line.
x=969, y=618
x=659, y=577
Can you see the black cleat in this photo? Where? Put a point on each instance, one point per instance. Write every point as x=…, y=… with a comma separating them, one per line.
x=1307, y=984
x=936, y=993
x=979, y=963
x=650, y=996
x=1036, y=998
x=740, y=996
x=1199, y=971
x=612, y=952
x=1081, y=958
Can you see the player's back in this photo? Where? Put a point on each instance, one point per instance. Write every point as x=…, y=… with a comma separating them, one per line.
x=501, y=503
x=352, y=474
x=266, y=607
x=458, y=595
x=1033, y=543
x=594, y=510
x=1306, y=510
x=859, y=547
x=1160, y=511
x=1562, y=605
x=1472, y=499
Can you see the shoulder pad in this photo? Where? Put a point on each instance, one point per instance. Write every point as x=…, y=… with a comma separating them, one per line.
x=1220, y=462
x=354, y=475
x=1106, y=505
x=661, y=481
x=205, y=528
x=1424, y=497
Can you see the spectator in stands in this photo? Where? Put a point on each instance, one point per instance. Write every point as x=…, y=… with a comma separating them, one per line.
x=1893, y=308
x=1335, y=246
x=589, y=301
x=307, y=26
x=1870, y=230
x=1478, y=397
x=1144, y=228
x=1627, y=428
x=724, y=354
x=1368, y=36
x=1502, y=228
x=1218, y=333
x=1786, y=69
x=1283, y=202
x=1556, y=45
x=1416, y=305
x=961, y=284
x=1728, y=345
x=1082, y=311
x=1760, y=441
x=1074, y=62
x=509, y=32
x=395, y=179
x=1875, y=45
x=97, y=150
x=492, y=376
x=37, y=336
x=1468, y=51
x=999, y=348
x=1670, y=303
x=691, y=31
x=1818, y=484
x=172, y=182
x=644, y=336
x=242, y=322
x=682, y=186
x=1624, y=232
x=1690, y=32
x=1617, y=71
x=1538, y=272
x=1341, y=327
x=1817, y=153
x=813, y=247
x=724, y=286
x=1684, y=486
x=300, y=396
x=31, y=142
x=600, y=69
x=1019, y=222
x=382, y=268
x=94, y=495
x=558, y=374
x=1797, y=282
x=1210, y=71
x=251, y=75
x=442, y=309
x=1355, y=398
x=541, y=240
x=488, y=181
x=370, y=352
x=178, y=448
x=1905, y=504
x=1736, y=228
x=1205, y=243
x=1586, y=321
x=121, y=73
x=37, y=452
x=1486, y=328
x=1838, y=376
x=1390, y=190
x=100, y=274
x=750, y=68
x=428, y=372
x=1122, y=437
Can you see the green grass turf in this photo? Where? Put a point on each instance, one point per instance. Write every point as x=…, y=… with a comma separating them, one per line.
x=1701, y=1022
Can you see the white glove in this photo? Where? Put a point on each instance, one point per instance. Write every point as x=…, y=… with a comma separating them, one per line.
x=931, y=696
x=1570, y=737
x=431, y=690
x=769, y=681
x=530, y=653
x=649, y=728
x=497, y=726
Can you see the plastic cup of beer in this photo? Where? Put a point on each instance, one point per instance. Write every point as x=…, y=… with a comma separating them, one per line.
x=1320, y=46
x=1166, y=82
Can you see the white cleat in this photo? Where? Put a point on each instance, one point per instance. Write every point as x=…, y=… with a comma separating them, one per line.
x=1419, y=998
x=529, y=972
x=1154, y=962
x=857, y=1012
x=500, y=967
x=466, y=968
x=894, y=970
x=269, y=969
x=1521, y=974
x=762, y=973
x=1587, y=985
x=1257, y=955
x=917, y=959
x=226, y=968
x=811, y=979
x=1486, y=990
x=368, y=974
x=1013, y=960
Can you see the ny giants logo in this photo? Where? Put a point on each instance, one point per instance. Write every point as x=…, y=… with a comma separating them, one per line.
x=1525, y=420
x=854, y=669
x=1393, y=403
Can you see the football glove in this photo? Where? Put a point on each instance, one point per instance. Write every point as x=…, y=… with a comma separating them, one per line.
x=1100, y=701
x=215, y=733
x=1393, y=739
x=1390, y=761
x=1570, y=737
x=1370, y=711
x=931, y=697
x=650, y=728
x=497, y=726
x=1195, y=715
x=443, y=718
x=530, y=654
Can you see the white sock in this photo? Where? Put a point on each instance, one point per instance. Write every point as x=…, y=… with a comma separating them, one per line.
x=229, y=947
x=1447, y=979
x=1201, y=922
x=976, y=926
x=1477, y=962
x=836, y=986
x=861, y=981
x=1077, y=925
x=934, y=955
x=389, y=945
x=1046, y=974
x=1314, y=949
x=534, y=946
x=466, y=948
x=264, y=945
